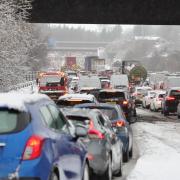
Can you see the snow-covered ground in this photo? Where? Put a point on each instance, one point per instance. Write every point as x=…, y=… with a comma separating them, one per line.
x=159, y=151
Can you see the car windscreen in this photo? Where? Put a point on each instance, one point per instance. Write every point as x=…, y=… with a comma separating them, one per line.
x=152, y=94
x=140, y=91
x=86, y=81
x=110, y=112
x=72, y=103
x=12, y=121
x=49, y=80
x=175, y=93
x=111, y=95
x=161, y=95
x=72, y=74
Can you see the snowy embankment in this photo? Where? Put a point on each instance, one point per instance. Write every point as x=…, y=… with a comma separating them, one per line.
x=159, y=151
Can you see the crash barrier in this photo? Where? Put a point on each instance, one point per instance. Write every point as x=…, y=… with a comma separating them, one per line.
x=29, y=84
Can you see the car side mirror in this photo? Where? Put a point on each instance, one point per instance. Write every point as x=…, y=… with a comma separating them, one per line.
x=81, y=131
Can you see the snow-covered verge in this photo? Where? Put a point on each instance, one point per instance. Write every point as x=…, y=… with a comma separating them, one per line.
x=159, y=151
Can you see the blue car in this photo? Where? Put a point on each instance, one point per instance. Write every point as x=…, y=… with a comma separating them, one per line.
x=119, y=124
x=37, y=142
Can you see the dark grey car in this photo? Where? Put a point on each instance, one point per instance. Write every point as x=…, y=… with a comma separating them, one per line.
x=104, y=147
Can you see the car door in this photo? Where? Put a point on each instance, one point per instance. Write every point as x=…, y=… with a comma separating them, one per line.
x=114, y=142
x=69, y=149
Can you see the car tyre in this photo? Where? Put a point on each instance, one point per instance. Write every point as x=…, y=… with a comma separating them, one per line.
x=178, y=116
x=166, y=113
x=126, y=156
x=131, y=152
x=119, y=173
x=108, y=174
x=86, y=174
x=54, y=176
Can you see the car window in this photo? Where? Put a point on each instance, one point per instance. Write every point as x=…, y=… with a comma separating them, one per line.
x=100, y=122
x=12, y=121
x=110, y=112
x=109, y=95
x=59, y=120
x=72, y=103
x=47, y=117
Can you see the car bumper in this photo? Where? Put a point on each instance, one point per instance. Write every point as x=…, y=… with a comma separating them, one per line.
x=138, y=101
x=100, y=157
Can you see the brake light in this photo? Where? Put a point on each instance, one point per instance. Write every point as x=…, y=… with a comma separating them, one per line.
x=170, y=98
x=125, y=102
x=95, y=134
x=119, y=123
x=91, y=124
x=33, y=148
x=90, y=156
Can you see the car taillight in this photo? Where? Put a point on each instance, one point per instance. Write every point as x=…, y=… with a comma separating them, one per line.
x=119, y=123
x=170, y=98
x=95, y=134
x=33, y=148
x=125, y=102
x=90, y=156
x=91, y=124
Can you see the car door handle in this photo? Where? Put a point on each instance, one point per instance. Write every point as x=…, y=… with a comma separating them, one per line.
x=2, y=144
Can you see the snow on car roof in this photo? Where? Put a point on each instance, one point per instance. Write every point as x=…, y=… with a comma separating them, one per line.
x=77, y=96
x=18, y=101
x=113, y=90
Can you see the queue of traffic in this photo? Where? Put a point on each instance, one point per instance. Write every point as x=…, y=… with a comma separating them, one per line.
x=166, y=100
x=76, y=127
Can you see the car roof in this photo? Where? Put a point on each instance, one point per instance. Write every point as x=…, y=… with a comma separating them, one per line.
x=80, y=112
x=18, y=101
x=113, y=90
x=96, y=104
x=77, y=96
x=174, y=88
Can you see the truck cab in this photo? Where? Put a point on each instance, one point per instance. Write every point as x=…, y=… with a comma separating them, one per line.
x=53, y=84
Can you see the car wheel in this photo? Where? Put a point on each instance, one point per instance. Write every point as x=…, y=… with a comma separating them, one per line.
x=54, y=176
x=86, y=174
x=108, y=174
x=178, y=116
x=166, y=113
x=131, y=152
x=126, y=156
x=155, y=110
x=143, y=105
x=119, y=173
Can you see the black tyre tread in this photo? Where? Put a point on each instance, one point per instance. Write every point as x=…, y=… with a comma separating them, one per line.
x=126, y=156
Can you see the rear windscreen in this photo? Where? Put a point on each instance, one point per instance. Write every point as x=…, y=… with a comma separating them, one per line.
x=78, y=119
x=72, y=103
x=111, y=95
x=51, y=80
x=12, y=121
x=161, y=95
x=110, y=112
x=175, y=93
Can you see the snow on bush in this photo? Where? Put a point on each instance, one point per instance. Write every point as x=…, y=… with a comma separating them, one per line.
x=16, y=40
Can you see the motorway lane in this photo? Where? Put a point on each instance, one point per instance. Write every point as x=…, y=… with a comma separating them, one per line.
x=144, y=115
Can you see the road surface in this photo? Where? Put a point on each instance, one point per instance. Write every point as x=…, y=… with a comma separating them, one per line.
x=154, y=136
